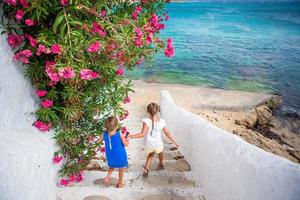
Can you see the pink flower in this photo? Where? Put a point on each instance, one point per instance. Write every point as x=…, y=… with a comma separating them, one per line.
x=42, y=49
x=138, y=42
x=120, y=71
x=94, y=47
x=124, y=116
x=14, y=40
x=19, y=14
x=11, y=2
x=79, y=178
x=23, y=56
x=52, y=74
x=167, y=18
x=72, y=178
x=24, y=3
x=64, y=182
x=169, y=51
x=67, y=72
x=47, y=103
x=56, y=49
x=138, y=9
x=29, y=22
x=103, y=12
x=123, y=130
x=149, y=38
x=87, y=74
x=161, y=26
x=102, y=149
x=41, y=93
x=57, y=159
x=138, y=32
x=32, y=41
x=42, y=126
x=97, y=28
x=126, y=99
x=134, y=16
x=64, y=2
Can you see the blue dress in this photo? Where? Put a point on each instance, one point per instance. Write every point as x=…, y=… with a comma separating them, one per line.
x=115, y=151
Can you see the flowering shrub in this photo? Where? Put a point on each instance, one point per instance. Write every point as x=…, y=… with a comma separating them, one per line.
x=75, y=53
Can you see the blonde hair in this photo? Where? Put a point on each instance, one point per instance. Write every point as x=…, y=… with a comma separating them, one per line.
x=111, y=123
x=152, y=110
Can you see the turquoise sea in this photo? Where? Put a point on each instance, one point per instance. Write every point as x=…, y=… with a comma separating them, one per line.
x=243, y=46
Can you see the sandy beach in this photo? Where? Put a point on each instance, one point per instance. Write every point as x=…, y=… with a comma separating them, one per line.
x=223, y=108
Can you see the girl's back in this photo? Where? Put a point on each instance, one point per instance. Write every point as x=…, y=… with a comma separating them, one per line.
x=153, y=138
x=115, y=150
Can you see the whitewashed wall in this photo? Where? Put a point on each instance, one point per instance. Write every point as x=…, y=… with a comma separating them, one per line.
x=227, y=167
x=26, y=169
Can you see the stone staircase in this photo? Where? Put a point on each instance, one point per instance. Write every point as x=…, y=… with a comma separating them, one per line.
x=173, y=183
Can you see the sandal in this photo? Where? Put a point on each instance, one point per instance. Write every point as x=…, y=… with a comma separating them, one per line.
x=146, y=171
x=120, y=185
x=107, y=181
x=161, y=165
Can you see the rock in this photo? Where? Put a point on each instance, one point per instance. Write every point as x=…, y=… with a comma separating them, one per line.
x=249, y=120
x=275, y=123
x=264, y=115
x=296, y=154
x=274, y=102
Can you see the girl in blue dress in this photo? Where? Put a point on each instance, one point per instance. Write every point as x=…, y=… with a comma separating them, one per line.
x=116, y=155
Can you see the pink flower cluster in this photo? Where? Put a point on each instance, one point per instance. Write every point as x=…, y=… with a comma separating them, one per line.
x=31, y=40
x=64, y=2
x=120, y=71
x=57, y=159
x=94, y=47
x=42, y=49
x=139, y=34
x=72, y=178
x=126, y=99
x=14, y=40
x=19, y=15
x=136, y=12
x=87, y=74
x=42, y=126
x=41, y=93
x=67, y=72
x=29, y=22
x=23, y=56
x=103, y=12
x=98, y=29
x=47, y=103
x=56, y=49
x=169, y=51
x=50, y=71
x=24, y=3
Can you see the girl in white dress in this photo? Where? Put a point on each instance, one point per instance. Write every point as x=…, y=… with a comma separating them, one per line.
x=152, y=131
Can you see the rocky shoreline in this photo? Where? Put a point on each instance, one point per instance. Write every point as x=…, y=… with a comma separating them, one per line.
x=264, y=127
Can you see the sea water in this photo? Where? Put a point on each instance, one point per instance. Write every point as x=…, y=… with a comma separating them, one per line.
x=241, y=46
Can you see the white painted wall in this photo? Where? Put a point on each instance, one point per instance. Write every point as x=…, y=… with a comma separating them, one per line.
x=26, y=169
x=227, y=167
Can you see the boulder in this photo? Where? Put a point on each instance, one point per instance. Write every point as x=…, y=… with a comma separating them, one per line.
x=249, y=120
x=274, y=102
x=264, y=115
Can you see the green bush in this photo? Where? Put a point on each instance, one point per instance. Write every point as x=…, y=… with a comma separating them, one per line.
x=75, y=52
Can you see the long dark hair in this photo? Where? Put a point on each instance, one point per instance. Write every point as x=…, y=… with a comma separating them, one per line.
x=152, y=110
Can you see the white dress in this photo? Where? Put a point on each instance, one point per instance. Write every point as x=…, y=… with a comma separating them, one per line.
x=153, y=138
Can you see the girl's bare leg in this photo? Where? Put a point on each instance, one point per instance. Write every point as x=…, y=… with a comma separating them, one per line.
x=161, y=160
x=149, y=160
x=108, y=176
x=121, y=175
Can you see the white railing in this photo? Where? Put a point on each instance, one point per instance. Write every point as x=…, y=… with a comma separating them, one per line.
x=225, y=166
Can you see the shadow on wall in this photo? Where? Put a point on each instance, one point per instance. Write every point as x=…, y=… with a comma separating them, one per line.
x=26, y=168
x=226, y=166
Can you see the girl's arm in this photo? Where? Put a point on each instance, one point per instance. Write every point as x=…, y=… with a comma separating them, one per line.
x=124, y=141
x=170, y=136
x=142, y=133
